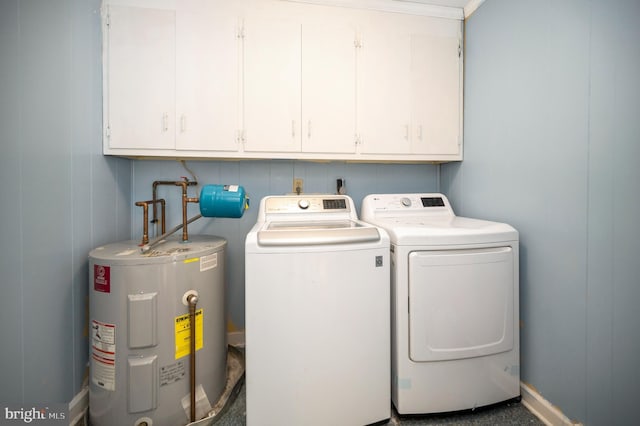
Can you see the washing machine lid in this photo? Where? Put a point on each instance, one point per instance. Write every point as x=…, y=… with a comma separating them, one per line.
x=316, y=232
x=455, y=230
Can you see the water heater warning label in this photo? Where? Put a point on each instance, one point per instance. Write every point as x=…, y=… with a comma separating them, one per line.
x=172, y=373
x=103, y=354
x=102, y=278
x=208, y=262
x=183, y=334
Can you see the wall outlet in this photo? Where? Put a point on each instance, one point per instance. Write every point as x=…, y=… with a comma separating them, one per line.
x=297, y=186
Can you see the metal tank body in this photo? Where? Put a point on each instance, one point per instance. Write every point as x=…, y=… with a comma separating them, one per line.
x=139, y=331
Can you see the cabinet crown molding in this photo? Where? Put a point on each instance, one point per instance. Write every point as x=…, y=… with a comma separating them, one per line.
x=451, y=9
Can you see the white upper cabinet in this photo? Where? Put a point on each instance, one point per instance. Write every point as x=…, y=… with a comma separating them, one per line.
x=384, y=90
x=139, y=96
x=272, y=85
x=328, y=88
x=299, y=87
x=409, y=86
x=436, y=95
x=207, y=80
x=171, y=79
x=283, y=79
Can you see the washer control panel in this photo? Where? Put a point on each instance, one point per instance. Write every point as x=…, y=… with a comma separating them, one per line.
x=304, y=204
x=308, y=204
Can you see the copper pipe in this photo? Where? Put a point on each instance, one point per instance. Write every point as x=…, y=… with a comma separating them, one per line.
x=159, y=239
x=185, y=234
x=193, y=300
x=145, y=217
x=185, y=200
x=184, y=184
x=145, y=220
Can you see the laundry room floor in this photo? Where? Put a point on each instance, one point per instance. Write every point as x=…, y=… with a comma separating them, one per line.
x=511, y=413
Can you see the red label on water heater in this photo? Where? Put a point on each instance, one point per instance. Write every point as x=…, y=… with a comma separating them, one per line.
x=101, y=278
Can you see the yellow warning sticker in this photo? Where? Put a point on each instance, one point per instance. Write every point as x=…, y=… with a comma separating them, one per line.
x=183, y=333
x=193, y=259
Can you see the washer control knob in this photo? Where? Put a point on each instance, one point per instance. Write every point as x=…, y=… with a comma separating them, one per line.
x=303, y=204
x=406, y=201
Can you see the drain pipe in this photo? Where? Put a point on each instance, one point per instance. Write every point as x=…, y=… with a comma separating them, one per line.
x=192, y=299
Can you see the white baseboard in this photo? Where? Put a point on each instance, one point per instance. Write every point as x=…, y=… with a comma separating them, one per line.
x=78, y=408
x=236, y=338
x=543, y=409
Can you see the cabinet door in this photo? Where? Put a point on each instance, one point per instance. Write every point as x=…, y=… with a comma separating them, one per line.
x=436, y=90
x=384, y=102
x=328, y=88
x=207, y=91
x=272, y=60
x=140, y=75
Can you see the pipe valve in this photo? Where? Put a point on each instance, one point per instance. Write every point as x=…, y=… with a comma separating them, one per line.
x=188, y=297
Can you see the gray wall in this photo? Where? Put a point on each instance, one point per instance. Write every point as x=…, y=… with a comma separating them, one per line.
x=261, y=178
x=59, y=196
x=552, y=140
x=552, y=109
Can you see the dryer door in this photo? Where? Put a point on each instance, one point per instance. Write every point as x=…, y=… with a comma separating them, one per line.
x=460, y=303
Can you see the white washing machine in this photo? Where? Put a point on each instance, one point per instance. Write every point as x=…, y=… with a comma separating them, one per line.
x=454, y=284
x=317, y=314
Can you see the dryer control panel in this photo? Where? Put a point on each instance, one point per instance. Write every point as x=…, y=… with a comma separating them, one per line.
x=430, y=204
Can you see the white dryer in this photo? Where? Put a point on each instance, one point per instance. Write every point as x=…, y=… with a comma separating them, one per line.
x=454, y=285
x=317, y=314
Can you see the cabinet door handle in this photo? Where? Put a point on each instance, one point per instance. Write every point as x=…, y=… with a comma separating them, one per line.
x=309, y=130
x=165, y=122
x=420, y=132
x=293, y=128
x=183, y=123
x=406, y=132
